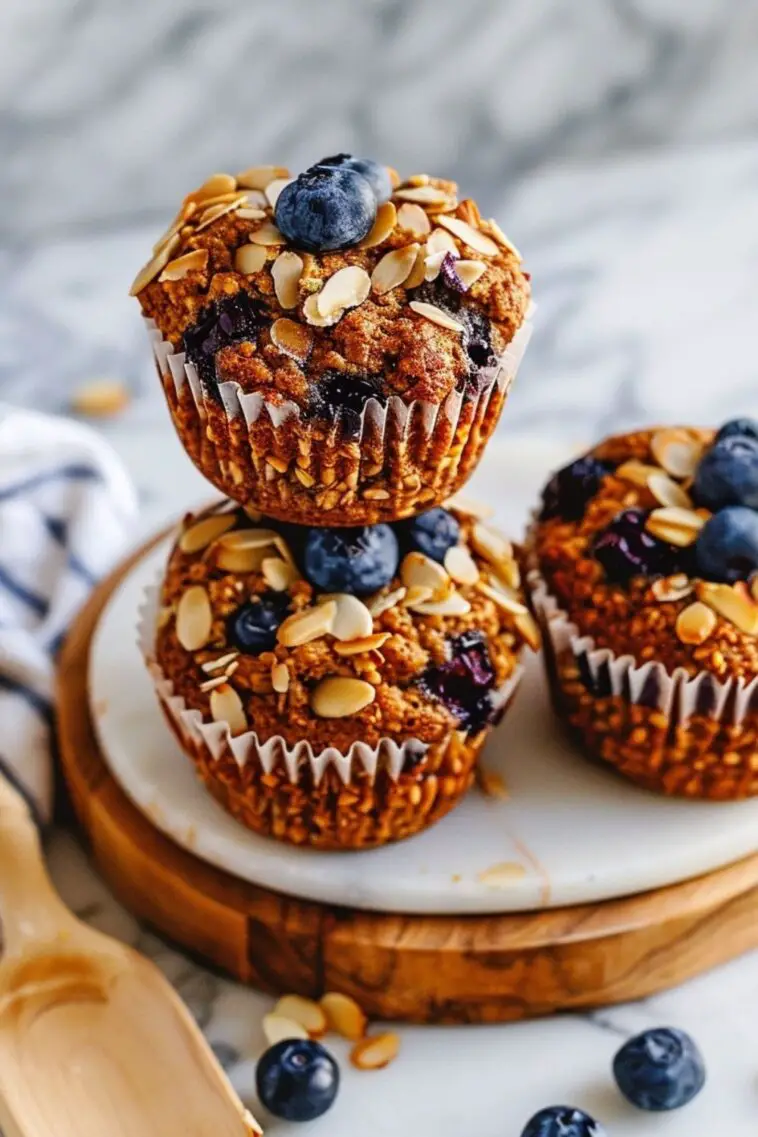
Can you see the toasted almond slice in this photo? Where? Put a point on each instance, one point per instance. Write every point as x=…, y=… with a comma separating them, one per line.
x=429, y=196
x=383, y=602
x=307, y=1012
x=284, y=550
x=365, y=643
x=211, y=684
x=528, y=629
x=502, y=240
x=307, y=625
x=279, y=1028
x=440, y=241
x=155, y=265
x=384, y=223
x=194, y=618
x=433, y=264
x=258, y=177
x=668, y=492
x=638, y=473
x=677, y=451
x=695, y=623
x=338, y=697
x=217, y=199
x=280, y=678
x=393, y=269
x=670, y=588
x=352, y=618
x=734, y=605
x=249, y=259
x=219, y=664
x=255, y=199
x=417, y=273
x=502, y=875
x=679, y=527
x=226, y=706
x=490, y=543
x=171, y=232
x=468, y=272
x=503, y=599
x=419, y=571
x=492, y=784
x=250, y=213
x=376, y=1052
x=346, y=288
x=474, y=238
x=240, y=560
x=266, y=234
x=101, y=398
x=213, y=186
x=278, y=574
x=248, y=539
x=194, y=261
x=215, y=212
x=295, y=340
x=418, y=180
x=274, y=188
x=344, y=1016
x=286, y=272
x=203, y=532
x=451, y=605
x=469, y=506
x=436, y=315
x=461, y=565
x=417, y=594
x=313, y=315
x=413, y=218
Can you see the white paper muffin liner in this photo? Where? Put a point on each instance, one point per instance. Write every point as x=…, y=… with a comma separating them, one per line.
x=217, y=738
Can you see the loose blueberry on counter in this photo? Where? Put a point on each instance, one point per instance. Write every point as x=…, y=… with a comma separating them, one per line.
x=727, y=546
x=660, y=1069
x=625, y=549
x=340, y=396
x=297, y=1079
x=377, y=175
x=728, y=474
x=253, y=627
x=326, y=208
x=745, y=427
x=463, y=683
x=568, y=491
x=223, y=322
x=358, y=561
x=563, y=1121
x=431, y=533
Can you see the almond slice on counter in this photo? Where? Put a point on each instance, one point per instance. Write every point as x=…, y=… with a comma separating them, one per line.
x=278, y=1028
x=101, y=398
x=308, y=1013
x=344, y=1016
x=376, y=1052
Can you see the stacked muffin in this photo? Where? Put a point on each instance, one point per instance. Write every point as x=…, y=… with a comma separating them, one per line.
x=333, y=641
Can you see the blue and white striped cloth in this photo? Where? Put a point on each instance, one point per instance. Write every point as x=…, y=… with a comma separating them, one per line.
x=66, y=506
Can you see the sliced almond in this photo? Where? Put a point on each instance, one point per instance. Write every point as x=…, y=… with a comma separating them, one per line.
x=308, y=1013
x=528, y=628
x=278, y=1028
x=338, y=697
x=670, y=588
x=286, y=272
x=638, y=473
x=393, y=269
x=469, y=506
x=278, y=574
x=468, y=272
x=676, y=451
x=171, y=232
x=248, y=539
x=424, y=195
x=460, y=565
x=250, y=213
x=492, y=784
x=383, y=602
x=218, y=199
x=451, y=605
x=677, y=526
x=211, y=684
x=668, y=492
x=240, y=560
x=203, y=532
x=155, y=265
x=504, y=600
x=194, y=618
x=313, y=315
x=344, y=1016
x=491, y=544
x=267, y=234
x=384, y=223
x=413, y=218
x=280, y=678
x=695, y=623
x=249, y=259
x=213, y=186
x=364, y=643
x=220, y=663
x=101, y=398
x=417, y=273
x=433, y=264
x=420, y=571
x=474, y=238
x=347, y=288
x=352, y=618
x=295, y=340
x=194, y=261
x=436, y=315
x=733, y=604
x=307, y=625
x=274, y=188
x=417, y=180
x=440, y=241
x=226, y=706
x=502, y=240
x=259, y=177
x=376, y=1052
x=216, y=212
x=501, y=875
x=416, y=594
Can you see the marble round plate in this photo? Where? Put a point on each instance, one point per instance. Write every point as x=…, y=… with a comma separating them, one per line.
x=572, y=831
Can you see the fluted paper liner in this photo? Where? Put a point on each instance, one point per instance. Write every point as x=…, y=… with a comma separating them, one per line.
x=217, y=738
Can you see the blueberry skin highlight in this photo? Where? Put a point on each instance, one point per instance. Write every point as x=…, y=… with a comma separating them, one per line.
x=746, y=427
x=297, y=1079
x=563, y=1121
x=660, y=1069
x=728, y=474
x=377, y=175
x=727, y=546
x=326, y=208
x=431, y=533
x=358, y=561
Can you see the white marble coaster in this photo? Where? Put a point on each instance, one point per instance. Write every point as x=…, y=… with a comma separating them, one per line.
x=572, y=831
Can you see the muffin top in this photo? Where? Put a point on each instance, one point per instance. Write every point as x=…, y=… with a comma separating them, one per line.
x=650, y=543
x=403, y=631
x=338, y=285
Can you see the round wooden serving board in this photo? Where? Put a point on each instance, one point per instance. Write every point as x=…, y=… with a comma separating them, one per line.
x=475, y=968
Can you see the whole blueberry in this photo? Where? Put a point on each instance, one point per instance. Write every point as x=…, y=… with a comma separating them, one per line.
x=326, y=208
x=358, y=561
x=728, y=473
x=568, y=491
x=659, y=1069
x=297, y=1079
x=562, y=1121
x=252, y=628
x=727, y=546
x=625, y=549
x=431, y=533
x=377, y=175
x=746, y=427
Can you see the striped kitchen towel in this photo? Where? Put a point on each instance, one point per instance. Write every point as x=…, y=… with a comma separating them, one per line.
x=66, y=506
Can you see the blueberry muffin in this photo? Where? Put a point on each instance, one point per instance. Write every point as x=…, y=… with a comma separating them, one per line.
x=643, y=574
x=335, y=347
x=335, y=686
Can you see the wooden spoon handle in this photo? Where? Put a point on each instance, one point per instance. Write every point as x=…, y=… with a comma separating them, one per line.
x=30, y=909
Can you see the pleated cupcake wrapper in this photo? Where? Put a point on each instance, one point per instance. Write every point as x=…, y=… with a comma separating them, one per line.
x=217, y=738
x=390, y=421
x=677, y=695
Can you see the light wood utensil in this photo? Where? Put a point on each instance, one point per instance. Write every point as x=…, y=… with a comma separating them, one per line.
x=94, y=1042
